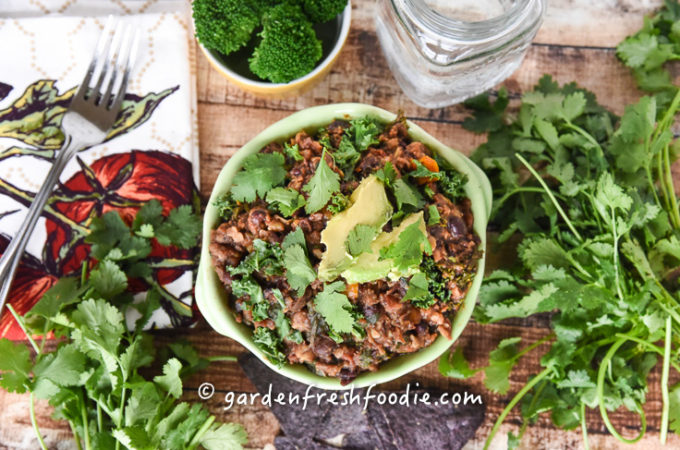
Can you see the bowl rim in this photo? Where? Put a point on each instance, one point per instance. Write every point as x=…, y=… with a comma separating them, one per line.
x=211, y=296
x=346, y=19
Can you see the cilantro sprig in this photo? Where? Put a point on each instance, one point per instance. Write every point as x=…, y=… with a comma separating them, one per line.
x=92, y=378
x=592, y=200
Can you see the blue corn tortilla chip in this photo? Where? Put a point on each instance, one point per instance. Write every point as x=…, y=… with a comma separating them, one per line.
x=384, y=427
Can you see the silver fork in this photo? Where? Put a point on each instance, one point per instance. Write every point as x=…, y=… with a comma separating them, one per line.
x=86, y=122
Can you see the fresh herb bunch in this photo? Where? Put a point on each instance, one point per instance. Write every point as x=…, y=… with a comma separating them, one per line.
x=647, y=51
x=592, y=199
x=286, y=47
x=92, y=377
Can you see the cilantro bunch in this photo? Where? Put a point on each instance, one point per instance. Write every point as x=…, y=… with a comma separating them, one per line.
x=92, y=378
x=589, y=199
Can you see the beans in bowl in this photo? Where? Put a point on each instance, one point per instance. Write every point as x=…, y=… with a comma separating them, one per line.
x=345, y=248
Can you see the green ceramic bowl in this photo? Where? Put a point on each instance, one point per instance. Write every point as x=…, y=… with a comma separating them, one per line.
x=212, y=298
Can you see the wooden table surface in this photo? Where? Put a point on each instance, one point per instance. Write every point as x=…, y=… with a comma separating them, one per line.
x=576, y=43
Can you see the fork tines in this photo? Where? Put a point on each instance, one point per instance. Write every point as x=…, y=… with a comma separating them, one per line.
x=113, y=57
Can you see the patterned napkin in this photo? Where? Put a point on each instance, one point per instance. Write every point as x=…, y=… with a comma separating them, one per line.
x=152, y=151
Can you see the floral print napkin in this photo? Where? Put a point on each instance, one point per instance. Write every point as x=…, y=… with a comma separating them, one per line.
x=151, y=152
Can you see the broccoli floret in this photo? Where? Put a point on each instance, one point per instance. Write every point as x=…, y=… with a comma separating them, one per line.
x=320, y=11
x=289, y=47
x=225, y=25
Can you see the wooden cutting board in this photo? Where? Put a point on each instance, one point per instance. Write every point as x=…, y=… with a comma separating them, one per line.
x=576, y=43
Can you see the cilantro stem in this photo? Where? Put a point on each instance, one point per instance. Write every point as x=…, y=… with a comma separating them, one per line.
x=519, y=190
x=527, y=387
x=617, y=269
x=664, y=382
x=601, y=372
x=536, y=396
x=76, y=436
x=529, y=348
x=100, y=424
x=586, y=135
x=649, y=345
x=584, y=427
x=550, y=194
x=86, y=424
x=199, y=434
x=20, y=321
x=672, y=199
x=34, y=422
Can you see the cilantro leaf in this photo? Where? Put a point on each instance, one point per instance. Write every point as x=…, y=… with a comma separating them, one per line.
x=387, y=174
x=488, y=116
x=335, y=308
x=286, y=200
x=225, y=436
x=181, y=228
x=142, y=404
x=409, y=248
x=418, y=292
x=151, y=213
x=62, y=367
x=674, y=409
x=346, y=156
x=359, y=239
x=299, y=271
x=63, y=293
x=321, y=186
x=405, y=194
x=454, y=365
x=108, y=279
x=433, y=215
x=15, y=366
x=170, y=380
x=501, y=362
x=296, y=237
x=260, y=173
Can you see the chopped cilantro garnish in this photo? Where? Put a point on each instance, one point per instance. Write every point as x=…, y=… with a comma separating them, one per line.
x=335, y=308
x=409, y=248
x=321, y=186
x=359, y=239
x=346, y=156
x=434, y=217
x=406, y=194
x=261, y=172
x=387, y=174
x=285, y=200
x=418, y=292
x=299, y=271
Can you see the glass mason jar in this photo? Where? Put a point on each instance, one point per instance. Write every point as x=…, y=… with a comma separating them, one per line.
x=442, y=52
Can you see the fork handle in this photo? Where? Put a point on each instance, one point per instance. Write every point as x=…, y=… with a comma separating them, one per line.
x=15, y=250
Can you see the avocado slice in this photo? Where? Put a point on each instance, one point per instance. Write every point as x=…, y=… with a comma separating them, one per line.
x=368, y=267
x=369, y=205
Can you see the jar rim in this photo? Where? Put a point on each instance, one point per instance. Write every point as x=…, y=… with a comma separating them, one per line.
x=515, y=20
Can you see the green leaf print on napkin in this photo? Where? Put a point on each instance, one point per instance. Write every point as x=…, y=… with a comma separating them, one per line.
x=35, y=117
